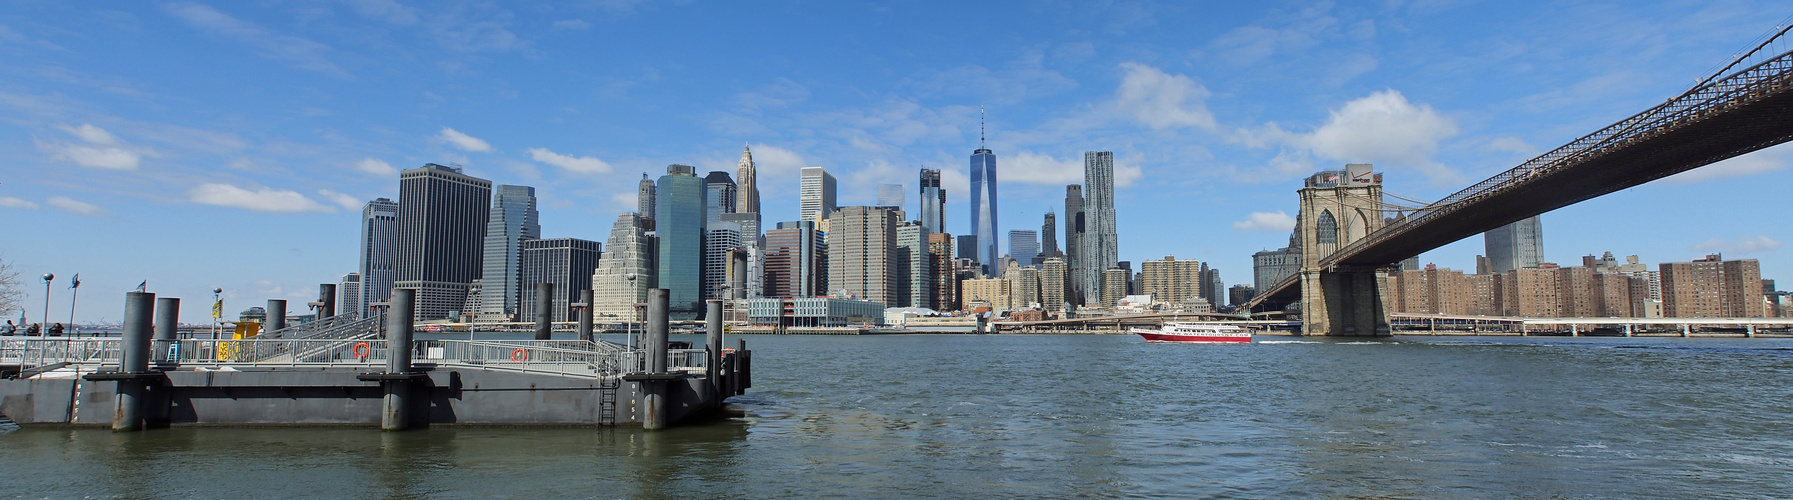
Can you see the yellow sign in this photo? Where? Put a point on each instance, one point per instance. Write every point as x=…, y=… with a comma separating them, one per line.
x=218, y=309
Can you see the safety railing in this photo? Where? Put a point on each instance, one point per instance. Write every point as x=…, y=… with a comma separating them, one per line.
x=28, y=352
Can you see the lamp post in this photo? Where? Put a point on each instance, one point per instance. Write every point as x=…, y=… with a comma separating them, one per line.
x=44, y=329
x=217, y=310
x=75, y=294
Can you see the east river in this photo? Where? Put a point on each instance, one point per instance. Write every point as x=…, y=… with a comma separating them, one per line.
x=978, y=416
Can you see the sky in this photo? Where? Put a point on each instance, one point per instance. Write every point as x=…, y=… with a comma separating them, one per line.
x=194, y=145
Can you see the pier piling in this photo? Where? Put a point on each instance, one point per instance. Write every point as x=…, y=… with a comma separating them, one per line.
x=326, y=300
x=585, y=314
x=276, y=315
x=713, y=344
x=655, y=401
x=544, y=311
x=128, y=413
x=395, y=414
x=168, y=314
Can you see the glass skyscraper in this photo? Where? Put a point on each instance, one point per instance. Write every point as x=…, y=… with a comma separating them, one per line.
x=983, y=209
x=1519, y=245
x=933, y=202
x=1100, y=250
x=379, y=254
x=679, y=202
x=514, y=220
x=816, y=195
x=719, y=196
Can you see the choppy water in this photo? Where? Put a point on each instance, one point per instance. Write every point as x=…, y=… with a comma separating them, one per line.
x=1059, y=416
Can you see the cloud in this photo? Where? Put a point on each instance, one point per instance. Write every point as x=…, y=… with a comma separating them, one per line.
x=102, y=150
x=626, y=201
x=72, y=206
x=10, y=202
x=571, y=24
x=1745, y=246
x=1027, y=167
x=1510, y=144
x=376, y=167
x=299, y=52
x=349, y=203
x=1161, y=100
x=1381, y=128
x=581, y=164
x=463, y=141
x=1275, y=222
x=774, y=161
x=1754, y=163
x=261, y=199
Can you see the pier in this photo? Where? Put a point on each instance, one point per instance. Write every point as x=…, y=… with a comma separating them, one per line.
x=366, y=372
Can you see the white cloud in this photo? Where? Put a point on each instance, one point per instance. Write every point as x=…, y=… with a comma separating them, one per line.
x=1754, y=163
x=626, y=201
x=376, y=166
x=1382, y=128
x=774, y=161
x=102, y=150
x=299, y=52
x=1028, y=167
x=1161, y=100
x=10, y=202
x=580, y=164
x=1745, y=246
x=260, y=199
x=1276, y=222
x=70, y=205
x=349, y=203
x=464, y=141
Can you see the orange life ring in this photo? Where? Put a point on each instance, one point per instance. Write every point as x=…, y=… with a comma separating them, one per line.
x=520, y=355
x=362, y=350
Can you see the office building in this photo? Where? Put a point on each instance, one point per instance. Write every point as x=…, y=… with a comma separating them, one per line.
x=967, y=249
x=861, y=254
x=568, y=263
x=1048, y=238
x=1240, y=294
x=783, y=312
x=1024, y=246
x=933, y=202
x=815, y=196
x=747, y=179
x=644, y=200
x=1100, y=247
x=719, y=196
x=983, y=209
x=890, y=197
x=379, y=254
x=1515, y=246
x=944, y=278
x=348, y=295
x=513, y=220
x=679, y=203
x=442, y=215
x=721, y=239
x=915, y=269
x=794, y=259
x=626, y=274
x=1270, y=266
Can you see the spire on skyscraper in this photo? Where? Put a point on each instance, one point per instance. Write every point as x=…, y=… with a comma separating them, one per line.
x=747, y=179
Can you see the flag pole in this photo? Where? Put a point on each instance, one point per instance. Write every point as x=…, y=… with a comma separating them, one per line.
x=74, y=295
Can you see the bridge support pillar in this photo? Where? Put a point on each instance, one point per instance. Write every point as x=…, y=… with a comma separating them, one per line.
x=1344, y=302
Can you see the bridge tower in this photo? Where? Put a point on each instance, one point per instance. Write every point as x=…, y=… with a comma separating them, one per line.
x=1339, y=207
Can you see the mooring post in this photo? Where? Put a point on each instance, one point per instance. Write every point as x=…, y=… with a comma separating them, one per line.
x=168, y=314
x=276, y=316
x=127, y=415
x=657, y=332
x=713, y=346
x=396, y=415
x=326, y=300
x=585, y=315
x=743, y=370
x=544, y=311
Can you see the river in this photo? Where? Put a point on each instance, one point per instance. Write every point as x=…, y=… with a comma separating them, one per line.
x=1057, y=416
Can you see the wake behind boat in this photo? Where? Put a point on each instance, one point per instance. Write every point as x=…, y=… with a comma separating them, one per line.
x=1195, y=332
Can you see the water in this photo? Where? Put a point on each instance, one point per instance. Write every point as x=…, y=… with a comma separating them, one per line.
x=1058, y=416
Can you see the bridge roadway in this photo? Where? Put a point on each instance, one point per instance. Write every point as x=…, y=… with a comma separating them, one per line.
x=1746, y=111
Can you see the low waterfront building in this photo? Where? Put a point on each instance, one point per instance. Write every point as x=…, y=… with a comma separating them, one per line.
x=814, y=312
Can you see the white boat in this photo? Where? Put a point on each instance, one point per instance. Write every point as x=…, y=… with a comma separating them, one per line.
x=1195, y=332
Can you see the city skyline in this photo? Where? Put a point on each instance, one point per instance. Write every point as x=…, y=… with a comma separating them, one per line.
x=107, y=150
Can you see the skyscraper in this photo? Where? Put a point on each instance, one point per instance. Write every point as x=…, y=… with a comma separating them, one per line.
x=890, y=196
x=613, y=292
x=568, y=263
x=1049, y=236
x=747, y=178
x=1053, y=285
x=861, y=251
x=513, y=221
x=1024, y=246
x=442, y=215
x=679, y=203
x=983, y=207
x=1518, y=245
x=644, y=199
x=915, y=270
x=1073, y=243
x=793, y=261
x=379, y=254
x=933, y=202
x=719, y=196
x=945, y=278
x=348, y=295
x=720, y=239
x=1099, y=251
x=815, y=195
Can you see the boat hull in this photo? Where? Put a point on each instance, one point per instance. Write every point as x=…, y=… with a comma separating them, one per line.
x=1165, y=337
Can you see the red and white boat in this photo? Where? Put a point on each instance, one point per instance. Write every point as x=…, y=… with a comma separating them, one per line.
x=1195, y=332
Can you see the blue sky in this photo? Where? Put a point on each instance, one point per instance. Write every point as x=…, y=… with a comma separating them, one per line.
x=231, y=144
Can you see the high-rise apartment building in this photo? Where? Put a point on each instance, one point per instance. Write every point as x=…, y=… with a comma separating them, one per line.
x=1114, y=285
x=983, y=209
x=1100, y=248
x=1024, y=286
x=933, y=202
x=861, y=253
x=1515, y=246
x=568, y=263
x=915, y=270
x=815, y=195
x=644, y=200
x=1054, y=284
x=1531, y=292
x=944, y=279
x=679, y=204
x=991, y=292
x=513, y=220
x=1712, y=288
x=747, y=178
x=626, y=274
x=1171, y=280
x=442, y=215
x=794, y=259
x=379, y=254
x=1024, y=246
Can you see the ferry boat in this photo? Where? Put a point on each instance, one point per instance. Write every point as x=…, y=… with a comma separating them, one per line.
x=1195, y=332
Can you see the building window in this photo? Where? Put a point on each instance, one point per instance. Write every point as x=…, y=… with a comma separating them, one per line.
x=1328, y=228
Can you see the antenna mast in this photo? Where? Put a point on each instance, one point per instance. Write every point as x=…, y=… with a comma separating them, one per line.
x=980, y=127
